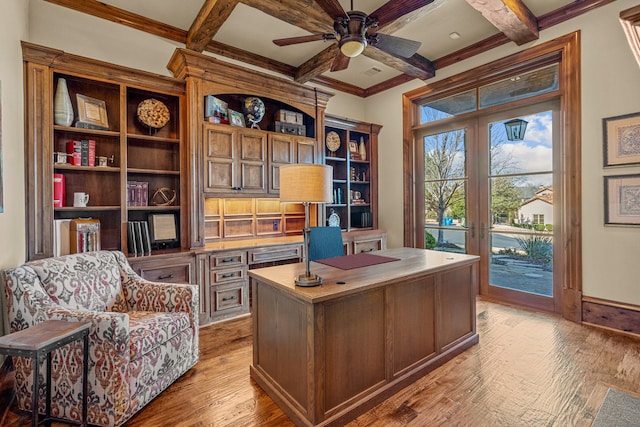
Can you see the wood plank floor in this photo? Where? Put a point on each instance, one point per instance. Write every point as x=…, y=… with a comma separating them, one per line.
x=529, y=369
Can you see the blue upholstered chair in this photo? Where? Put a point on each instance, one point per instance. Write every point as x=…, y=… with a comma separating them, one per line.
x=325, y=242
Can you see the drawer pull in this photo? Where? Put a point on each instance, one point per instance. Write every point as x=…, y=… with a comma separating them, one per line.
x=227, y=275
x=165, y=276
x=366, y=250
x=229, y=298
x=227, y=259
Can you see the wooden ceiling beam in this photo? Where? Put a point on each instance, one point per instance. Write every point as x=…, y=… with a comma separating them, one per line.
x=416, y=66
x=212, y=15
x=513, y=18
x=121, y=16
x=317, y=65
x=412, y=10
x=305, y=14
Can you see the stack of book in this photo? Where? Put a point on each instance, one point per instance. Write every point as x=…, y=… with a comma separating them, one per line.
x=138, y=238
x=81, y=152
x=137, y=193
x=84, y=235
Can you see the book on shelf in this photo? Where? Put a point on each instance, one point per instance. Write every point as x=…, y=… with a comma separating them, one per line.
x=84, y=235
x=59, y=190
x=138, y=238
x=61, y=244
x=137, y=193
x=82, y=152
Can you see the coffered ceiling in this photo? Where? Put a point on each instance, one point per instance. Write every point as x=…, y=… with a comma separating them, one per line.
x=244, y=30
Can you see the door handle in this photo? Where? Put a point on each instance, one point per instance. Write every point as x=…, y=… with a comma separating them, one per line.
x=472, y=228
x=482, y=230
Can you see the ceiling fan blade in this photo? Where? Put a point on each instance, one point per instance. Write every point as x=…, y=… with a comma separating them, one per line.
x=340, y=62
x=395, y=45
x=332, y=7
x=395, y=9
x=303, y=39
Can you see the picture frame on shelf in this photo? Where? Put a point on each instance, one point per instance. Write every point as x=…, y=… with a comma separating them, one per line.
x=621, y=135
x=215, y=107
x=92, y=113
x=236, y=118
x=353, y=150
x=163, y=229
x=622, y=199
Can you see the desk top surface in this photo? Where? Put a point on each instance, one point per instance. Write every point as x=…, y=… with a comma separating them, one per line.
x=412, y=262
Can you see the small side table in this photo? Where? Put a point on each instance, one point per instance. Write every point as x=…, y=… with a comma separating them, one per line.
x=39, y=341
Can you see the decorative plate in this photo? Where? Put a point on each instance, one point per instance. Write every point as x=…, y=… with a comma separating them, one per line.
x=153, y=113
x=334, y=219
x=333, y=141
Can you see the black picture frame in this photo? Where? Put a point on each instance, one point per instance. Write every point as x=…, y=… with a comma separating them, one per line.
x=622, y=200
x=620, y=140
x=163, y=230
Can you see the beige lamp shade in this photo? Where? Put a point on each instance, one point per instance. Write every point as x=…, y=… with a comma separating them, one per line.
x=305, y=182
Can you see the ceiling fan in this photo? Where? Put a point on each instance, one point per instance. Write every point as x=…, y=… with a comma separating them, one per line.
x=352, y=30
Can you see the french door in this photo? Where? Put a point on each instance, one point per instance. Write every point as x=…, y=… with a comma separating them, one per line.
x=487, y=195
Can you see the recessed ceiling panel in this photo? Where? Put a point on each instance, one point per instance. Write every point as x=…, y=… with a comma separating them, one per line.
x=179, y=14
x=254, y=31
x=363, y=72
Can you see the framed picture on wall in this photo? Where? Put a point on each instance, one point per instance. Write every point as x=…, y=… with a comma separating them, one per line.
x=621, y=140
x=622, y=200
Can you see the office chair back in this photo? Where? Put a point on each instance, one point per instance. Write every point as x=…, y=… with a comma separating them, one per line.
x=325, y=242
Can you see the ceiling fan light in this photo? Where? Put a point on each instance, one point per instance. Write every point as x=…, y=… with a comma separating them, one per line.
x=352, y=48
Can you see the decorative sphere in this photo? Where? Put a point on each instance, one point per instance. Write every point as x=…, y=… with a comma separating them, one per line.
x=253, y=109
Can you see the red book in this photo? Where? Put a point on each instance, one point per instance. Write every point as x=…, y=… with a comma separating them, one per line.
x=75, y=149
x=58, y=190
x=92, y=153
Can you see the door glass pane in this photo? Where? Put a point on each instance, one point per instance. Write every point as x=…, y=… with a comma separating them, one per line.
x=533, y=154
x=445, y=182
x=522, y=262
x=521, y=207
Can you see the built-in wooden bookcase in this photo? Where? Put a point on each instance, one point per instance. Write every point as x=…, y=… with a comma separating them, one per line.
x=355, y=173
x=130, y=150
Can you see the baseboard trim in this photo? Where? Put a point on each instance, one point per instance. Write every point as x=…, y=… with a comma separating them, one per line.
x=610, y=315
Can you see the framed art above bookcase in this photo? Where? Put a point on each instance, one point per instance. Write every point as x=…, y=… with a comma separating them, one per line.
x=351, y=148
x=126, y=127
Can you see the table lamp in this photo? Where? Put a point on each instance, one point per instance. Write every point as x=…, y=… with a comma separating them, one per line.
x=306, y=183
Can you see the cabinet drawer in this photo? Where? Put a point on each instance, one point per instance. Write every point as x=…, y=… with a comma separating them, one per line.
x=367, y=246
x=228, y=259
x=180, y=273
x=225, y=275
x=231, y=297
x=275, y=253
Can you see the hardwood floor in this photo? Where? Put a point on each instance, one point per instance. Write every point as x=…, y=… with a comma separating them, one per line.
x=529, y=369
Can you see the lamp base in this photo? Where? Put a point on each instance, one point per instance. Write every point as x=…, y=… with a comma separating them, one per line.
x=308, y=281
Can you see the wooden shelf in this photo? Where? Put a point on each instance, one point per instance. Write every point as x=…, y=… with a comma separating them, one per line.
x=133, y=152
x=351, y=175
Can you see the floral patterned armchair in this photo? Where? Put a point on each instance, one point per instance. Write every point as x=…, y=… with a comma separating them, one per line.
x=143, y=335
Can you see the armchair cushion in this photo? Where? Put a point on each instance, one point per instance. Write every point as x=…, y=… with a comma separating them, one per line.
x=149, y=330
x=90, y=281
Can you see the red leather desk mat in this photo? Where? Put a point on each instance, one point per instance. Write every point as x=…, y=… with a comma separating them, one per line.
x=348, y=262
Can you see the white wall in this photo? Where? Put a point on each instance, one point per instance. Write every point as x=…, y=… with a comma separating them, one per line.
x=13, y=27
x=610, y=87
x=609, y=76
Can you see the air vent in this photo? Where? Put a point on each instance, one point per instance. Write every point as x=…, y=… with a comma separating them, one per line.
x=372, y=71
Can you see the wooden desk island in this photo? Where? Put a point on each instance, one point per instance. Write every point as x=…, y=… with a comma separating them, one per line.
x=326, y=354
